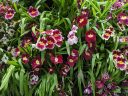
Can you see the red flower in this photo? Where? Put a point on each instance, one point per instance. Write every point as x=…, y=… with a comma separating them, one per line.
x=85, y=12
x=9, y=14
x=48, y=32
x=90, y=36
x=33, y=12
x=35, y=35
x=121, y=63
x=15, y=52
x=25, y=58
x=82, y=21
x=56, y=59
x=74, y=53
x=41, y=44
x=91, y=46
x=50, y=42
x=36, y=62
x=71, y=61
x=87, y=55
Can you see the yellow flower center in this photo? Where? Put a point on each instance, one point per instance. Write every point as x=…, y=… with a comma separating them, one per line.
x=41, y=43
x=120, y=62
x=70, y=60
x=90, y=35
x=25, y=58
x=124, y=17
x=37, y=62
x=81, y=20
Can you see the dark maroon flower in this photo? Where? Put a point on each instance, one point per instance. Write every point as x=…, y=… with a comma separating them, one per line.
x=35, y=35
x=91, y=46
x=25, y=58
x=116, y=54
x=25, y=42
x=9, y=14
x=90, y=36
x=87, y=55
x=50, y=42
x=41, y=44
x=36, y=62
x=82, y=21
x=74, y=53
x=64, y=70
x=56, y=59
x=85, y=12
x=71, y=61
x=51, y=70
x=33, y=12
x=99, y=84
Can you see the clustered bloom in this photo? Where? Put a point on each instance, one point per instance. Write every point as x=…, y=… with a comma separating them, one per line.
x=109, y=32
x=122, y=19
x=33, y=12
x=72, y=38
x=15, y=52
x=119, y=60
x=73, y=58
x=9, y=13
x=49, y=40
x=56, y=59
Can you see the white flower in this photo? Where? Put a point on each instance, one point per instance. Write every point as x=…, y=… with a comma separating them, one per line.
x=72, y=39
x=5, y=58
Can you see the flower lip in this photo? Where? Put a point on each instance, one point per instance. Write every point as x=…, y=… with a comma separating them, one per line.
x=82, y=21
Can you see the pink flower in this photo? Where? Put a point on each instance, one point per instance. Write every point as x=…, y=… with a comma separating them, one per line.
x=50, y=42
x=25, y=58
x=9, y=14
x=72, y=39
x=15, y=52
x=56, y=59
x=33, y=12
x=99, y=84
x=74, y=53
x=41, y=44
x=48, y=32
x=74, y=28
x=90, y=36
x=36, y=62
x=122, y=18
x=82, y=20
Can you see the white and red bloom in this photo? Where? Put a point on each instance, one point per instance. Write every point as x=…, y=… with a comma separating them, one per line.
x=33, y=12
x=50, y=42
x=48, y=32
x=72, y=39
x=41, y=44
x=82, y=20
x=90, y=36
x=25, y=58
x=9, y=13
x=74, y=28
x=15, y=52
x=36, y=62
x=56, y=59
x=121, y=63
x=116, y=54
x=64, y=70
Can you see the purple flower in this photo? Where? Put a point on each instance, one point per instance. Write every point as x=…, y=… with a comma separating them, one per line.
x=34, y=79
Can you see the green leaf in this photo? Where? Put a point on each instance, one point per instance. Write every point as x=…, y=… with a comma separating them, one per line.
x=81, y=49
x=67, y=47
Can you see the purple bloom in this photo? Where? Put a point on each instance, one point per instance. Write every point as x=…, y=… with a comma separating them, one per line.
x=34, y=79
